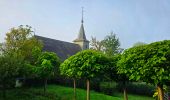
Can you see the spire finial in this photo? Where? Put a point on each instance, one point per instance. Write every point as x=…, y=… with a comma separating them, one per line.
x=82, y=15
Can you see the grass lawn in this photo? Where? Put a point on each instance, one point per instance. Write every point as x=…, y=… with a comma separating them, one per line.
x=63, y=93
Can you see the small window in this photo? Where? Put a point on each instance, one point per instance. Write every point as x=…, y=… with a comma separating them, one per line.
x=86, y=46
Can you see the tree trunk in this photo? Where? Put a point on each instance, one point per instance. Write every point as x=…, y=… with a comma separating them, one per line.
x=88, y=89
x=125, y=94
x=125, y=91
x=4, y=91
x=45, y=85
x=74, y=89
x=160, y=92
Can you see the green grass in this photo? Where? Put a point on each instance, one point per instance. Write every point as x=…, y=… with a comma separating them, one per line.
x=63, y=93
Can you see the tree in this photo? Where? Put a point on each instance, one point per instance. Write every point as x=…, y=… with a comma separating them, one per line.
x=96, y=44
x=47, y=64
x=87, y=64
x=1, y=48
x=149, y=63
x=21, y=41
x=9, y=66
x=139, y=44
x=111, y=44
x=68, y=69
x=113, y=73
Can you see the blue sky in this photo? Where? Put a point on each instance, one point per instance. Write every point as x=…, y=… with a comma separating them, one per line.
x=132, y=20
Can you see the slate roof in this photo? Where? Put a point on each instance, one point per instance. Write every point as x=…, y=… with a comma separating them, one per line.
x=61, y=48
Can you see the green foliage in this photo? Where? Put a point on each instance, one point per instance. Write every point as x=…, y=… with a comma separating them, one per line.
x=159, y=61
x=85, y=64
x=36, y=52
x=1, y=48
x=68, y=69
x=63, y=93
x=21, y=41
x=96, y=44
x=111, y=44
x=139, y=44
x=113, y=68
x=45, y=69
x=46, y=65
x=149, y=63
x=109, y=88
x=129, y=58
x=138, y=88
x=9, y=67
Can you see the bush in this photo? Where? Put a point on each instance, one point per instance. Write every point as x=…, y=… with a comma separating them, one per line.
x=108, y=88
x=139, y=88
x=80, y=83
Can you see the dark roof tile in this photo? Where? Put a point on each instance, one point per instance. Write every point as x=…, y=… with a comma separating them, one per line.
x=61, y=48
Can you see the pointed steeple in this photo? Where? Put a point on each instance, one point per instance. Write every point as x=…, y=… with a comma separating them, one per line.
x=81, y=39
x=81, y=34
x=82, y=16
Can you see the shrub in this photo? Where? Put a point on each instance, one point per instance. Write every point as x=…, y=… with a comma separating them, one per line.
x=108, y=88
x=139, y=88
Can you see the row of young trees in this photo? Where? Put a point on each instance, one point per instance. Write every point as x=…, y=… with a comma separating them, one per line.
x=147, y=63
x=90, y=64
x=21, y=56
x=27, y=59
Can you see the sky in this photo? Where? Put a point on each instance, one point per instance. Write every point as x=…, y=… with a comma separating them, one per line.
x=131, y=20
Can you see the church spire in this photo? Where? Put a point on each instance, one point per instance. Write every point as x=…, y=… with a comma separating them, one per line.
x=82, y=15
x=81, y=35
x=81, y=39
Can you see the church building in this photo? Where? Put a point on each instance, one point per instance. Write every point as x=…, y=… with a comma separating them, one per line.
x=66, y=49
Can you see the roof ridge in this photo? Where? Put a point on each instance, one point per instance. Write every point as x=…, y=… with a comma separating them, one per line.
x=54, y=39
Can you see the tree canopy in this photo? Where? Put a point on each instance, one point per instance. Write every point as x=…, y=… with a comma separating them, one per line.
x=113, y=70
x=110, y=45
x=22, y=41
x=46, y=65
x=149, y=63
x=9, y=66
x=139, y=44
x=85, y=64
x=9, y=71
x=96, y=44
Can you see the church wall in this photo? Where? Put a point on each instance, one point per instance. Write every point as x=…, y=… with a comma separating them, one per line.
x=83, y=45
